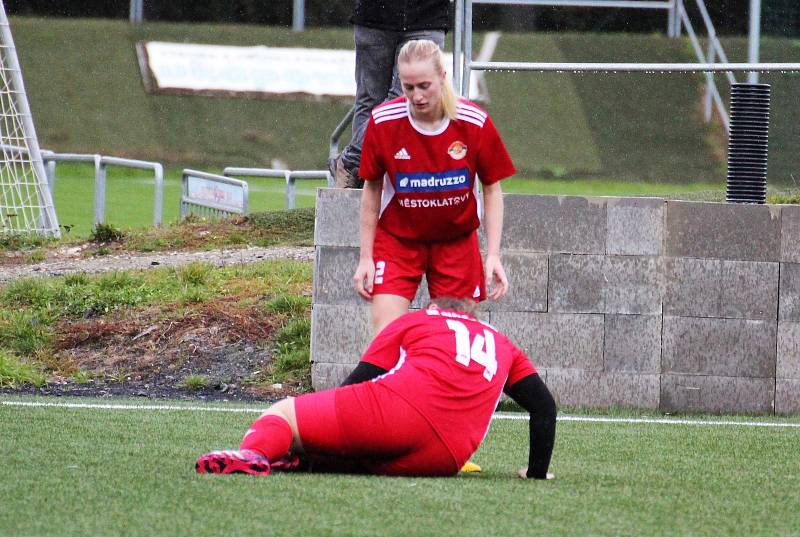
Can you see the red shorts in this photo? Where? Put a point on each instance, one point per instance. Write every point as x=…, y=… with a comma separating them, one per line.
x=452, y=268
x=368, y=424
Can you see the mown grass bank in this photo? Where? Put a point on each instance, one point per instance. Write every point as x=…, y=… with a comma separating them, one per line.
x=87, y=95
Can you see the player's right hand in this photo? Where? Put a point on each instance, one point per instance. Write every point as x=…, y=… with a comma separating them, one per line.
x=363, y=278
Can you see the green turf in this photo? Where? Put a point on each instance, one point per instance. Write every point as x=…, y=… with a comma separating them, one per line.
x=130, y=194
x=106, y=472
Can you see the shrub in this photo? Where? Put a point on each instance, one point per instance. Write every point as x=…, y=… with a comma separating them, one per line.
x=14, y=372
x=106, y=233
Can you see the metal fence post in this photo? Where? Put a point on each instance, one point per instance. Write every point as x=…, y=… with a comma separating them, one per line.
x=51, y=176
x=708, y=100
x=291, y=195
x=467, y=48
x=99, y=190
x=298, y=16
x=136, y=13
x=458, y=39
x=158, y=203
x=754, y=38
x=671, y=19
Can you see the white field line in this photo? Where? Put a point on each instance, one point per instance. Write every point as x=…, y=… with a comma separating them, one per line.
x=497, y=416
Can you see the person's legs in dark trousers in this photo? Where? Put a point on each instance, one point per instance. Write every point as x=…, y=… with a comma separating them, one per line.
x=375, y=54
x=376, y=81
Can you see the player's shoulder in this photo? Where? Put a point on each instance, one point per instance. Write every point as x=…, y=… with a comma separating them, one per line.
x=471, y=113
x=390, y=110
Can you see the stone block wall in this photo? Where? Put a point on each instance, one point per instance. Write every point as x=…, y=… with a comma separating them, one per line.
x=635, y=302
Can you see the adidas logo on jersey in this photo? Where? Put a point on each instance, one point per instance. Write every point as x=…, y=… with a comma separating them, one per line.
x=402, y=155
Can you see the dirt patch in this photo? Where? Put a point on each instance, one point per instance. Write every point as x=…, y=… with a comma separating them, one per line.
x=215, y=351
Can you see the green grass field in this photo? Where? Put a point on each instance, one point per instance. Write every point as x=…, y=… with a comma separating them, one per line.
x=87, y=472
x=130, y=194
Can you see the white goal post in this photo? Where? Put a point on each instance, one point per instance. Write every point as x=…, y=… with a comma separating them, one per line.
x=26, y=204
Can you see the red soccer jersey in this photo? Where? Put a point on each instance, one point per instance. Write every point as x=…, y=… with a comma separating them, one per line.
x=429, y=188
x=452, y=368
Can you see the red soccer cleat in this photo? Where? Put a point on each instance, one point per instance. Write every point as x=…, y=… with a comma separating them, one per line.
x=242, y=461
x=289, y=463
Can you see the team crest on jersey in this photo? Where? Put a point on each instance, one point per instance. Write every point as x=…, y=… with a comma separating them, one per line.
x=457, y=150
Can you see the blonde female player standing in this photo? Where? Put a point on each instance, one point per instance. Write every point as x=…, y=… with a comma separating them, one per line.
x=419, y=210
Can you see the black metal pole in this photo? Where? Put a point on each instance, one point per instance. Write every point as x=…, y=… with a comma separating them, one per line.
x=747, y=143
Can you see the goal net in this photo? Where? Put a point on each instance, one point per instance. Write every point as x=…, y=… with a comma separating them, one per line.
x=26, y=204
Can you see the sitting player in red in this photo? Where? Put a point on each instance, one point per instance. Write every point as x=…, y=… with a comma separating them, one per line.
x=422, y=156
x=419, y=403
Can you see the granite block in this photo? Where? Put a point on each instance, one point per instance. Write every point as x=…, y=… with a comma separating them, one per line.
x=732, y=231
x=596, y=389
x=787, y=396
x=635, y=226
x=527, y=280
x=632, y=344
x=555, y=340
x=788, y=366
x=749, y=290
x=724, y=347
x=554, y=224
x=337, y=217
x=789, y=301
x=325, y=376
x=339, y=333
x=334, y=267
x=790, y=233
x=633, y=285
x=718, y=394
x=605, y=284
x=717, y=288
x=576, y=283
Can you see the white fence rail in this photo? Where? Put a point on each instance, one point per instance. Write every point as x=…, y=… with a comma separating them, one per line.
x=101, y=164
x=290, y=176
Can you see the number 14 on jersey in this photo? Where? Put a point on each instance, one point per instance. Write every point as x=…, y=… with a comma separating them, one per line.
x=480, y=350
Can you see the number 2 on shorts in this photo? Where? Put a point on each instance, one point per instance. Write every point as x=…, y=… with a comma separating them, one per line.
x=380, y=268
x=481, y=350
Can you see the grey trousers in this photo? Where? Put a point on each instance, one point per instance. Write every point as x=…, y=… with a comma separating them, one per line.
x=376, y=78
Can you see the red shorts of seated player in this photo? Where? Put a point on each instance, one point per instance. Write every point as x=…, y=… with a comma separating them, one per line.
x=452, y=268
x=373, y=428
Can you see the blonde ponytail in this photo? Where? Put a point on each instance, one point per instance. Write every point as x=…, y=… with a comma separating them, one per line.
x=424, y=49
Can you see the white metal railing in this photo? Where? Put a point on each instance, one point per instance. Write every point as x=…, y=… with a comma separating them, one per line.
x=290, y=176
x=101, y=163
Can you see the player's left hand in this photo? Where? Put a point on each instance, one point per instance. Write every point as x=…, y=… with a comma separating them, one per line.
x=496, y=281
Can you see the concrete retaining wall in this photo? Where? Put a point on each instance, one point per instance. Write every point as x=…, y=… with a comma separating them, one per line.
x=636, y=302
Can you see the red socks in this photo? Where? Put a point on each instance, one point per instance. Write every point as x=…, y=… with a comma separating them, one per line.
x=270, y=435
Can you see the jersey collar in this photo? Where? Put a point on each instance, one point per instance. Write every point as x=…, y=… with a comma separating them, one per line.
x=440, y=130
